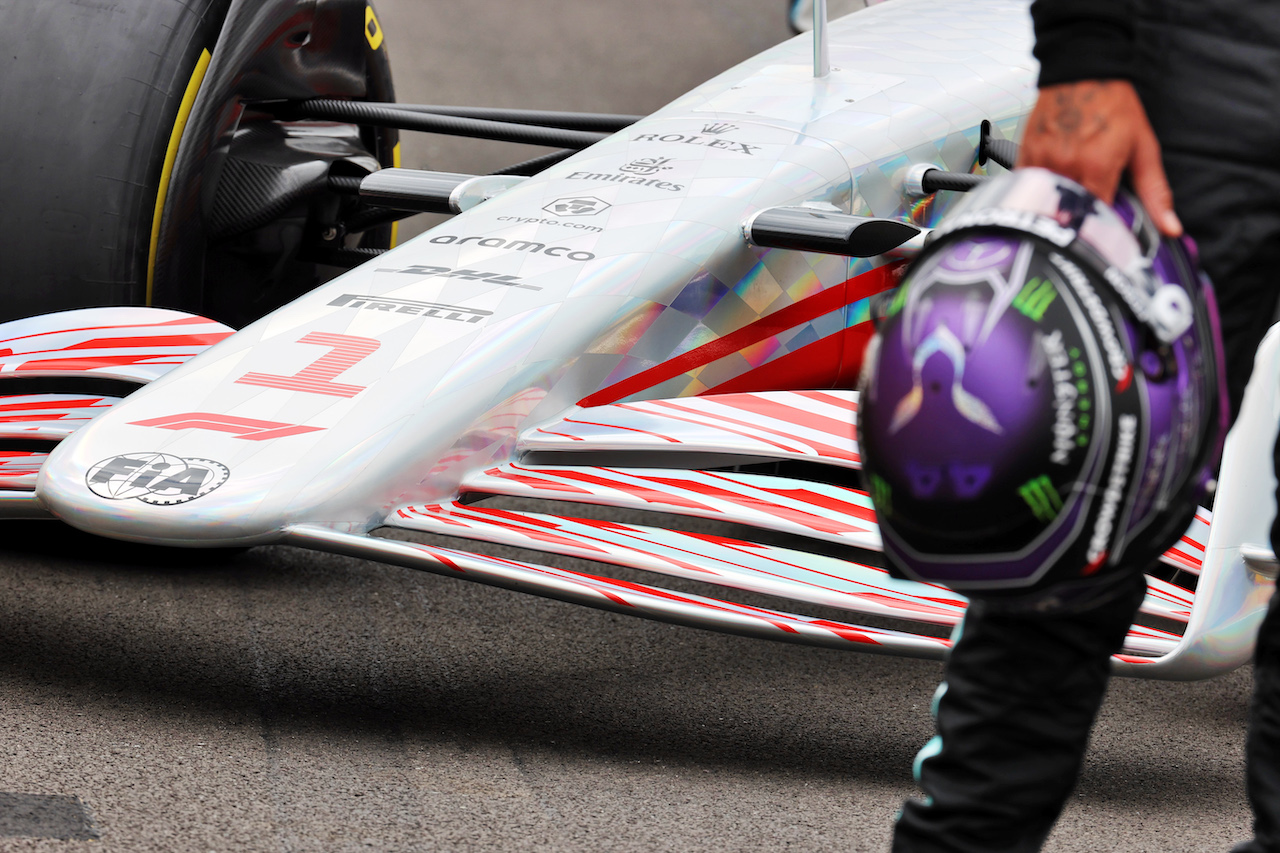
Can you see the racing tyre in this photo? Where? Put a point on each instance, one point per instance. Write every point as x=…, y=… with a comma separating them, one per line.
x=137, y=166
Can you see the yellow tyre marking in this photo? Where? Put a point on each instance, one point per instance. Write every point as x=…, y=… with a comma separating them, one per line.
x=170, y=155
x=395, y=226
x=372, y=28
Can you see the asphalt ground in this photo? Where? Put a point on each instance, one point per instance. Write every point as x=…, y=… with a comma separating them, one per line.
x=280, y=700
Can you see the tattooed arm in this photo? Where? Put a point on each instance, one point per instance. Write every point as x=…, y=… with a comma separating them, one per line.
x=1092, y=131
x=1088, y=123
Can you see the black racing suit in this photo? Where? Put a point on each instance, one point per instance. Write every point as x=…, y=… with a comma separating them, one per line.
x=1020, y=692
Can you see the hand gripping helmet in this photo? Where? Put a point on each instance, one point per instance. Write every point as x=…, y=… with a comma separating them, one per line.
x=1043, y=401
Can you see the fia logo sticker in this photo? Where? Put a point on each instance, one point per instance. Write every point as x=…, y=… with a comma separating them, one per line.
x=159, y=479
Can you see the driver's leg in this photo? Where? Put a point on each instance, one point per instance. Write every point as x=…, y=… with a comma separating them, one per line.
x=1013, y=719
x=1263, y=745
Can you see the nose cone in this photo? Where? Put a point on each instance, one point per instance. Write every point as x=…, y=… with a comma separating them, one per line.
x=157, y=496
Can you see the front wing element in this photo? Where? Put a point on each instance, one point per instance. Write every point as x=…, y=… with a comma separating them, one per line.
x=621, y=596
x=796, y=528
x=60, y=371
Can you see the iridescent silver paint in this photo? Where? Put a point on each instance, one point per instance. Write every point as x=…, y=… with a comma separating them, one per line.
x=617, y=276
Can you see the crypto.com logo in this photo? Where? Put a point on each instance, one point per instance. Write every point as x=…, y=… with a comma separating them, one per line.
x=159, y=479
x=577, y=206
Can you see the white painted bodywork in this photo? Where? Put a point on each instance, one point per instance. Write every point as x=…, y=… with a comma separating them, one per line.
x=587, y=309
x=911, y=81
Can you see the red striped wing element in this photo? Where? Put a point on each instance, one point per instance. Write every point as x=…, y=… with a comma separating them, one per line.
x=716, y=559
x=1188, y=552
x=49, y=416
x=817, y=510
x=815, y=425
x=19, y=468
x=134, y=344
x=624, y=596
x=808, y=509
x=723, y=561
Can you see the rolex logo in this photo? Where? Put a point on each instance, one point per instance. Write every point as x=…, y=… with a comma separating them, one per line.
x=719, y=127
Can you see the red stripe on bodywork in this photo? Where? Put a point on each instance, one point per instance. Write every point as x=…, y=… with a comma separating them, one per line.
x=808, y=367
x=819, y=447
x=776, y=410
x=178, y=322
x=104, y=361
x=1186, y=559
x=706, y=416
x=801, y=496
x=37, y=417
x=561, y=434
x=536, y=482
x=645, y=494
x=824, y=302
x=626, y=428
x=804, y=519
x=829, y=399
x=45, y=404
x=152, y=341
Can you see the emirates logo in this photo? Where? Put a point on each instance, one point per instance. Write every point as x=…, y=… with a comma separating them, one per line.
x=647, y=166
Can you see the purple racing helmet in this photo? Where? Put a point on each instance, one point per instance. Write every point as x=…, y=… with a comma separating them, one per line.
x=1043, y=401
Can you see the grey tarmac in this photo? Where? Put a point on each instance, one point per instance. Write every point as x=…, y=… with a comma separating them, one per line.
x=279, y=700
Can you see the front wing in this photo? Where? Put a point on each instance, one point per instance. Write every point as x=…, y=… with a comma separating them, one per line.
x=776, y=472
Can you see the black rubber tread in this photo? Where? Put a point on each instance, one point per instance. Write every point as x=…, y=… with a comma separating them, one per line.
x=90, y=93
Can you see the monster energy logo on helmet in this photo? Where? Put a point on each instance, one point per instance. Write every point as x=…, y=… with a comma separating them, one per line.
x=1043, y=498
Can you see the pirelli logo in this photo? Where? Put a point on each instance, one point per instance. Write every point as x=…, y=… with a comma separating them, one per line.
x=436, y=311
